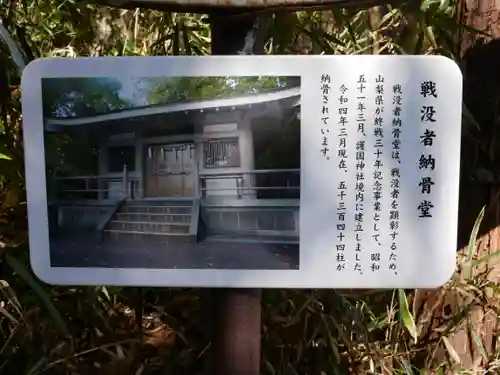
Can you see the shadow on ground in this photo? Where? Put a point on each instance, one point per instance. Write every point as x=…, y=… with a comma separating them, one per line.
x=88, y=250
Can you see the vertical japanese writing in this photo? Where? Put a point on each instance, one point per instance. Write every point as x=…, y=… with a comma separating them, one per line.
x=378, y=178
x=427, y=163
x=342, y=187
x=342, y=148
x=360, y=171
x=324, y=115
x=394, y=214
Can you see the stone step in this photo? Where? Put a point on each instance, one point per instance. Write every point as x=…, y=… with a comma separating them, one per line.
x=153, y=217
x=145, y=238
x=162, y=209
x=148, y=227
x=159, y=202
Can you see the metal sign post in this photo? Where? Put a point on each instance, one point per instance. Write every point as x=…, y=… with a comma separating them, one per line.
x=236, y=315
x=236, y=331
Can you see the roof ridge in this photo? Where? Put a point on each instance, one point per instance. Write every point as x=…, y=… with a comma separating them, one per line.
x=176, y=102
x=179, y=107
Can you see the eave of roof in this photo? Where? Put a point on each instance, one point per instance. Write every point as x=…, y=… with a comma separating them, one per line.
x=180, y=107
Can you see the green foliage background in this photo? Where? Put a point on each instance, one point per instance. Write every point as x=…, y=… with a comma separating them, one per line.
x=81, y=96
x=107, y=330
x=87, y=96
x=186, y=88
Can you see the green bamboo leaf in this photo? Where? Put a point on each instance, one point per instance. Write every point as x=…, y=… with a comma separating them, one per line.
x=5, y=157
x=426, y=4
x=479, y=342
x=8, y=315
x=405, y=315
x=269, y=367
x=431, y=37
x=346, y=23
x=12, y=194
x=332, y=341
x=21, y=270
x=419, y=43
x=485, y=258
x=472, y=241
x=444, y=5
x=474, y=233
x=7, y=293
x=407, y=367
x=389, y=17
x=451, y=25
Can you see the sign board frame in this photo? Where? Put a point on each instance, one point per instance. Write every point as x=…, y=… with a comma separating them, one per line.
x=431, y=260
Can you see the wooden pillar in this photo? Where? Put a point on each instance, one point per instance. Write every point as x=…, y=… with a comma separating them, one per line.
x=124, y=182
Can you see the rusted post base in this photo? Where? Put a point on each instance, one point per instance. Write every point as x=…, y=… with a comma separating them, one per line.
x=236, y=313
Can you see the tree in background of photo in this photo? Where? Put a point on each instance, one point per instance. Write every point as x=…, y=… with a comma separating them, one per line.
x=81, y=96
x=77, y=97
x=164, y=90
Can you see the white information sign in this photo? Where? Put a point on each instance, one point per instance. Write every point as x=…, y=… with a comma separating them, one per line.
x=336, y=171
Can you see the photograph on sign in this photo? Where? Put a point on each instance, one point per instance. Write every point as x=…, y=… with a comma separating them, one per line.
x=131, y=161
x=256, y=171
